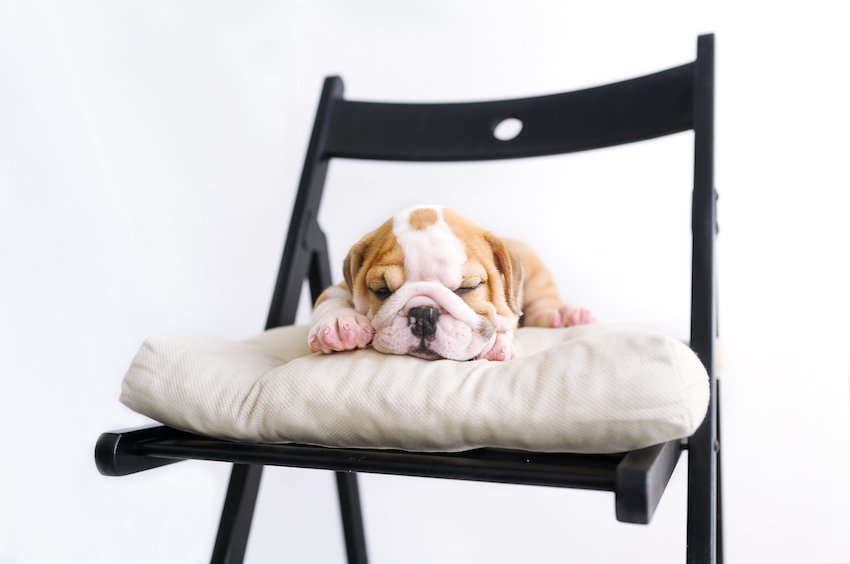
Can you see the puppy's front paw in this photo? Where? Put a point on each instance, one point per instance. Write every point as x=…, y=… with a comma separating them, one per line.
x=573, y=315
x=564, y=316
x=502, y=349
x=345, y=332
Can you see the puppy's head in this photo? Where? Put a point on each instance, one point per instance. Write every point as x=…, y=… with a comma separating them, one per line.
x=434, y=285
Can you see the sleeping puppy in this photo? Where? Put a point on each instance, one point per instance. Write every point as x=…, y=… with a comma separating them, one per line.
x=432, y=284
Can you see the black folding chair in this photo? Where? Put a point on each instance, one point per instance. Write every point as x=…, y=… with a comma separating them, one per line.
x=663, y=103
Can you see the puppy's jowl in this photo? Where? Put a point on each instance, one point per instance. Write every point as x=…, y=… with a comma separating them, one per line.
x=432, y=284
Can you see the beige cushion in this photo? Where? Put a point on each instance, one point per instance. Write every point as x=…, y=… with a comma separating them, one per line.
x=595, y=389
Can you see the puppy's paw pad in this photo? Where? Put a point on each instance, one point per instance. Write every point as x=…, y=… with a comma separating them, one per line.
x=573, y=315
x=343, y=333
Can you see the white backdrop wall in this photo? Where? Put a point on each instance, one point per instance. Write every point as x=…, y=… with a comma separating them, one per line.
x=149, y=154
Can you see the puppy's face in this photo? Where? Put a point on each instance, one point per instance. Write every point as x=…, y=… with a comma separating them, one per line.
x=434, y=285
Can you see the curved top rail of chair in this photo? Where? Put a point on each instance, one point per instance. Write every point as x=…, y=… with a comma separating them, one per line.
x=633, y=110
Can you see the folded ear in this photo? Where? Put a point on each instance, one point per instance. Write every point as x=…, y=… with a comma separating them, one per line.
x=354, y=260
x=507, y=261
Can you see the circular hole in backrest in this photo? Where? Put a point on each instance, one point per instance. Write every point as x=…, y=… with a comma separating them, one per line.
x=507, y=129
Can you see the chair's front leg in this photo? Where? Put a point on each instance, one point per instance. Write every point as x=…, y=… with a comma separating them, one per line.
x=232, y=539
x=352, y=517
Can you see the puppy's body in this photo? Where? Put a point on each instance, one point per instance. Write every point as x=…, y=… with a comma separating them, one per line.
x=432, y=284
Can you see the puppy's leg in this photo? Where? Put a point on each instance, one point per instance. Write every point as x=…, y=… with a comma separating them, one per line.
x=336, y=325
x=503, y=348
x=542, y=306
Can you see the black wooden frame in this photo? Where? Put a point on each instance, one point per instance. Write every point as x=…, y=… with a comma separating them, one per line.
x=671, y=101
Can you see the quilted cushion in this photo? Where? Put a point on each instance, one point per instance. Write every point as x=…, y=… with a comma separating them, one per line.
x=590, y=389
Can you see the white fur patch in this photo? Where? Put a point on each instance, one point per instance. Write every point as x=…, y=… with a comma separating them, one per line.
x=434, y=253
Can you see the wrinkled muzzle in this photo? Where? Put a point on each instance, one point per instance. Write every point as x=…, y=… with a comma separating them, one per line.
x=427, y=320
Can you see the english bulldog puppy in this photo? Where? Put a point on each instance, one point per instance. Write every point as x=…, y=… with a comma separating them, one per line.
x=432, y=284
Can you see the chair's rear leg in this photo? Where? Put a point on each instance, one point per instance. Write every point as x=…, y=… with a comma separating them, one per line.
x=702, y=495
x=352, y=517
x=719, y=484
x=232, y=539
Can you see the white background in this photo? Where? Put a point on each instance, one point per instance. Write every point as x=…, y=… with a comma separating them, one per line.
x=149, y=153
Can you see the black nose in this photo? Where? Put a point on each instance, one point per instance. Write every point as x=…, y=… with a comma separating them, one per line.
x=423, y=321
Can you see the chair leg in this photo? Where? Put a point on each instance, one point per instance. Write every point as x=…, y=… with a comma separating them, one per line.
x=352, y=517
x=703, y=516
x=232, y=539
x=719, y=484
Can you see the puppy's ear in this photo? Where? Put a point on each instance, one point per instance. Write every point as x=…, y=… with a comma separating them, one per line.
x=354, y=260
x=358, y=253
x=507, y=261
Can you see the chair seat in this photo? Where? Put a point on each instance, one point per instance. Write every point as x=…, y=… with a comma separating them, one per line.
x=637, y=478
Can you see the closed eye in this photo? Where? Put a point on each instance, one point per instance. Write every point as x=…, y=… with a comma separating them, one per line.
x=382, y=293
x=463, y=290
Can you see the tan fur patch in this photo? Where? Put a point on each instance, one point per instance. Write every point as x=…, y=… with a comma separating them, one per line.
x=378, y=256
x=423, y=218
x=484, y=248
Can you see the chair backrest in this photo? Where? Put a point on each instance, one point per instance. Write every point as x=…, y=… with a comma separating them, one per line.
x=633, y=110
